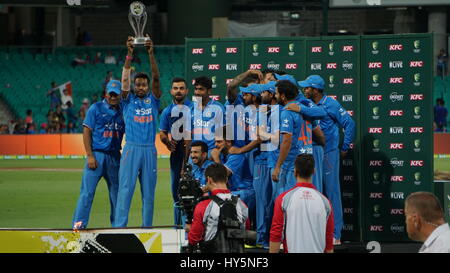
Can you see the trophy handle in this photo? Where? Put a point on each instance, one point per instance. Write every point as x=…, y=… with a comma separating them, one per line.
x=141, y=40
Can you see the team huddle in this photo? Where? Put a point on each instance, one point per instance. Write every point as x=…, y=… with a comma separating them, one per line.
x=272, y=136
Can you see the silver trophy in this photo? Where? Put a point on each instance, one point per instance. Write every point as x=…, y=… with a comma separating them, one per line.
x=138, y=18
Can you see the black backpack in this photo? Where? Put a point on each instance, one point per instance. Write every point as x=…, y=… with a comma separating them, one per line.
x=230, y=236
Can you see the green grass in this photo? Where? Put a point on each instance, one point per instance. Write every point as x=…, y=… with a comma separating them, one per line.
x=47, y=199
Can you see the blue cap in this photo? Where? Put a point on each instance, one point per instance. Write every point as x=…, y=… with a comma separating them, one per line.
x=314, y=81
x=270, y=86
x=253, y=89
x=114, y=86
x=286, y=77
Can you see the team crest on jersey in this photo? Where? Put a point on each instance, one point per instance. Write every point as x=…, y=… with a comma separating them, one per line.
x=147, y=101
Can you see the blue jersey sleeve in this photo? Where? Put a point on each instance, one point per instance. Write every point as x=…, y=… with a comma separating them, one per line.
x=234, y=163
x=164, y=123
x=89, y=120
x=287, y=122
x=310, y=110
x=340, y=115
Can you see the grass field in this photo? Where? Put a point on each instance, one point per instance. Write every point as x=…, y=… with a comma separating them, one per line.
x=43, y=194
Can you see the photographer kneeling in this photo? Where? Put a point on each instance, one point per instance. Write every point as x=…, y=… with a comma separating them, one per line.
x=219, y=223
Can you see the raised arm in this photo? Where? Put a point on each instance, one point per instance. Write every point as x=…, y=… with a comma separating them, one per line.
x=156, y=85
x=232, y=88
x=127, y=68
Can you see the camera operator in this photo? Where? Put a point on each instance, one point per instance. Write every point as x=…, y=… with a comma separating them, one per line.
x=206, y=224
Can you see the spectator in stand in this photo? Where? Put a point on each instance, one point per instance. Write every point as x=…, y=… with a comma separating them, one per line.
x=71, y=118
x=440, y=116
x=98, y=58
x=53, y=94
x=77, y=61
x=110, y=59
x=29, y=120
x=442, y=60
x=65, y=98
x=43, y=129
x=20, y=127
x=59, y=119
x=4, y=130
x=83, y=109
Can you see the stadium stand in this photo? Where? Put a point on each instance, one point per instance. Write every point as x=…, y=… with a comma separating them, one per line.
x=26, y=74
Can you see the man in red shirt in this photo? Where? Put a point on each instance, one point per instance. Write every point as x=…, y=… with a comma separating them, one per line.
x=206, y=214
x=303, y=217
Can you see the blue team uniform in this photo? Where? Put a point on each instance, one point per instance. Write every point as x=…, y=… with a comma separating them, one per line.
x=290, y=123
x=205, y=122
x=107, y=126
x=176, y=157
x=139, y=157
x=317, y=178
x=199, y=171
x=337, y=117
x=241, y=181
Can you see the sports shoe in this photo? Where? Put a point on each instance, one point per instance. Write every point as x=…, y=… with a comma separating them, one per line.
x=336, y=242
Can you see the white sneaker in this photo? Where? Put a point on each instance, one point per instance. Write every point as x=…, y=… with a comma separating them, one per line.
x=336, y=242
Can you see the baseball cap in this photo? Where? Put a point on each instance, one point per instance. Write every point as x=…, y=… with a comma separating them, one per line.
x=286, y=77
x=270, y=86
x=314, y=81
x=253, y=89
x=114, y=86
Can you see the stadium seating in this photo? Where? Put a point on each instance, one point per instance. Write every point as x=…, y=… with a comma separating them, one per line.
x=26, y=75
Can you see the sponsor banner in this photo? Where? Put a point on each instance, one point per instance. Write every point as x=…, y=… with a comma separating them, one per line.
x=91, y=241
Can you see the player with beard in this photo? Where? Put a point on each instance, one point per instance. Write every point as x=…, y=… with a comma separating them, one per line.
x=169, y=116
x=139, y=157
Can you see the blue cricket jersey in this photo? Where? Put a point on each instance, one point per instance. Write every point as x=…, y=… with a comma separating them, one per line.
x=199, y=172
x=205, y=121
x=290, y=123
x=140, y=118
x=336, y=117
x=167, y=120
x=241, y=178
x=107, y=126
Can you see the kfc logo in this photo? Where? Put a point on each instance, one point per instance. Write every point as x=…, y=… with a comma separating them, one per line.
x=348, y=178
x=376, y=195
x=196, y=51
x=397, y=211
x=416, y=130
x=375, y=130
x=347, y=49
x=347, y=80
x=416, y=64
x=396, y=146
x=395, y=80
x=255, y=66
x=395, y=47
x=316, y=49
x=416, y=163
x=331, y=65
x=416, y=97
x=376, y=228
x=231, y=50
x=397, y=178
x=375, y=65
x=214, y=67
x=273, y=50
x=375, y=97
x=291, y=66
x=375, y=163
x=396, y=113
x=348, y=210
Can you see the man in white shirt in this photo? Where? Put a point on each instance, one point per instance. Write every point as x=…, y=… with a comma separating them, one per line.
x=425, y=223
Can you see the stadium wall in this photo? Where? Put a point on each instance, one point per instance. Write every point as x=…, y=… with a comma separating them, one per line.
x=57, y=144
x=72, y=144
